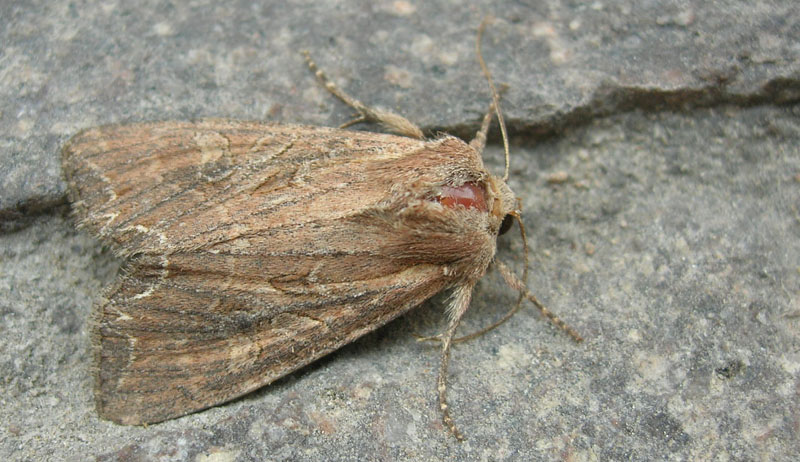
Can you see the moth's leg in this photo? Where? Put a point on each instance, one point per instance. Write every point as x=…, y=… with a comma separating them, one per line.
x=390, y=120
x=517, y=285
x=464, y=338
x=458, y=306
x=479, y=142
x=510, y=312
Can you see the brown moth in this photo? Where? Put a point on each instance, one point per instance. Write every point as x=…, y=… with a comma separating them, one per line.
x=253, y=249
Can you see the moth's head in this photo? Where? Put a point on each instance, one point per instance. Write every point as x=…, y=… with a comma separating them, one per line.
x=504, y=204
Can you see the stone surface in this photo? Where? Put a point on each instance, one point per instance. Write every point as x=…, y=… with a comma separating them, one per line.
x=655, y=149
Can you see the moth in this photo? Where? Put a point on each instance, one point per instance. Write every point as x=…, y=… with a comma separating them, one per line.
x=253, y=248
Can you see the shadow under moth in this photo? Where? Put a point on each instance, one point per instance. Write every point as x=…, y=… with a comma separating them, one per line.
x=253, y=249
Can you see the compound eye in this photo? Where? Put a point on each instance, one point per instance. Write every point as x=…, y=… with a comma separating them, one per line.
x=508, y=221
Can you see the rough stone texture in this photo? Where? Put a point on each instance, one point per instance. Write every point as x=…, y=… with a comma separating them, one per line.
x=656, y=151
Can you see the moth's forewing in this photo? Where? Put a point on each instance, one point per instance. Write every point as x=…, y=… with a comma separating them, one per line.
x=255, y=249
x=164, y=349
